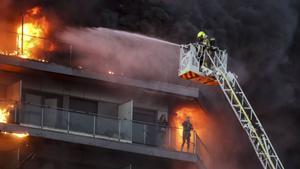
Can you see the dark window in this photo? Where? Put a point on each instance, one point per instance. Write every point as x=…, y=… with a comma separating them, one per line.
x=83, y=105
x=144, y=132
x=109, y=109
x=108, y=126
x=49, y=99
x=82, y=122
x=144, y=115
x=52, y=117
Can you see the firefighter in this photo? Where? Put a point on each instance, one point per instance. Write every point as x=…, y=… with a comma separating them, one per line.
x=212, y=42
x=202, y=37
x=205, y=40
x=186, y=133
x=211, y=50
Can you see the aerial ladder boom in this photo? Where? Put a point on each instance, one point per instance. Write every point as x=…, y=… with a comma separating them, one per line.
x=208, y=65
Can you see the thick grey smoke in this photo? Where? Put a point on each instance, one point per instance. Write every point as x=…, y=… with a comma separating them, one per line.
x=143, y=57
x=262, y=37
x=257, y=35
x=149, y=58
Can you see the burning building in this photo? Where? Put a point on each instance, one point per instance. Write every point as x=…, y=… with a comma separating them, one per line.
x=77, y=118
x=30, y=34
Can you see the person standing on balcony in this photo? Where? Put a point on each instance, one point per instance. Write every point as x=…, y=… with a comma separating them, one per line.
x=163, y=123
x=186, y=133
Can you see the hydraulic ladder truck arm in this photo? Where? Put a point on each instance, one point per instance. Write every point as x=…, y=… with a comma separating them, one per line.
x=209, y=66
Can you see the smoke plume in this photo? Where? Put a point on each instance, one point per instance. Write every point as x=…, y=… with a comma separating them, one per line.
x=261, y=36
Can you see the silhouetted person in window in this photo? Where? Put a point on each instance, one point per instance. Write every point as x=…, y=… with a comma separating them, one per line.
x=163, y=123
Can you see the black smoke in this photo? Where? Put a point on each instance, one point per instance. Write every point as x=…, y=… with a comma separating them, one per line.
x=262, y=37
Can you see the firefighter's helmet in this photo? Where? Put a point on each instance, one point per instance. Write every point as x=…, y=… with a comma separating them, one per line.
x=201, y=35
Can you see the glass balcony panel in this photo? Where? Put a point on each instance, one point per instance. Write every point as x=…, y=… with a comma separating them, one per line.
x=31, y=115
x=81, y=123
x=55, y=119
x=107, y=127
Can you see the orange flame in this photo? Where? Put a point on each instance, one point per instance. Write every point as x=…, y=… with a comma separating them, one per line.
x=17, y=135
x=4, y=114
x=20, y=135
x=31, y=34
x=198, y=119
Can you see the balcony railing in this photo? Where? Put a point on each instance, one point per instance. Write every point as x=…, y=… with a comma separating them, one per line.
x=103, y=127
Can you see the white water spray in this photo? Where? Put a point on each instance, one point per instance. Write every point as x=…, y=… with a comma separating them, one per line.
x=125, y=53
x=134, y=35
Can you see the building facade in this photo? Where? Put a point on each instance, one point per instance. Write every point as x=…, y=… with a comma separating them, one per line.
x=81, y=119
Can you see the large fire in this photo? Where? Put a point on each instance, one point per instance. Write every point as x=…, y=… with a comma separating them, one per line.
x=198, y=119
x=4, y=116
x=31, y=33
